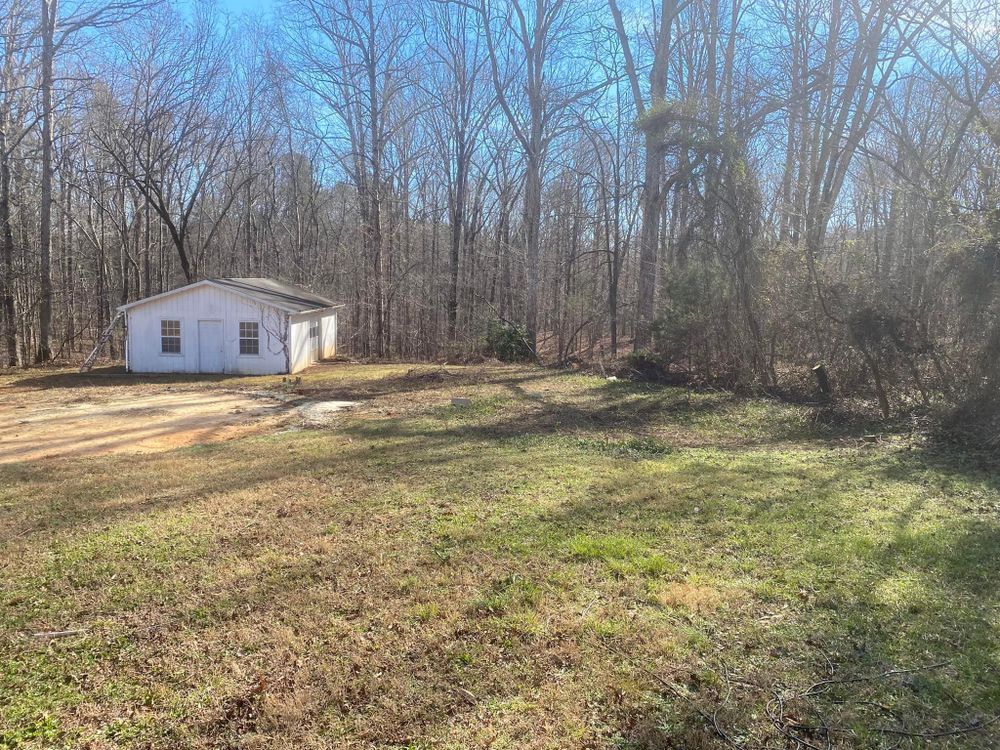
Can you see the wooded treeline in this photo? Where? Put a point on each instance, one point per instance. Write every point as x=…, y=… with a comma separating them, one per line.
x=737, y=189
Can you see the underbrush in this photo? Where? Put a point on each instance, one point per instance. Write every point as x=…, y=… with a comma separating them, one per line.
x=975, y=423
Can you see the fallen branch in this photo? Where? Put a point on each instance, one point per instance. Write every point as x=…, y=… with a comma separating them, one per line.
x=977, y=726
x=710, y=719
x=871, y=678
x=48, y=635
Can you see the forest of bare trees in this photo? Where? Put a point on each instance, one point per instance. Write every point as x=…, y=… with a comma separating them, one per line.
x=724, y=191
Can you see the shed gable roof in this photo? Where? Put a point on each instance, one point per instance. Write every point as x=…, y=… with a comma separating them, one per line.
x=287, y=297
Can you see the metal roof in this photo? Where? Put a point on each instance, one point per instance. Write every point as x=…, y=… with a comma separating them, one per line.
x=277, y=293
x=287, y=297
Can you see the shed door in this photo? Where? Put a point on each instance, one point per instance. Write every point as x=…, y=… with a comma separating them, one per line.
x=211, y=356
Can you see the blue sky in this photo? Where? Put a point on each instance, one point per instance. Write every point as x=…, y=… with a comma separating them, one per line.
x=238, y=6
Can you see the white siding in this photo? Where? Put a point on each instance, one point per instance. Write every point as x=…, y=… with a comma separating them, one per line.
x=302, y=354
x=299, y=354
x=206, y=303
x=329, y=334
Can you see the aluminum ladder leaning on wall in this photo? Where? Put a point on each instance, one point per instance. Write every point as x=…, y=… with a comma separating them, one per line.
x=88, y=363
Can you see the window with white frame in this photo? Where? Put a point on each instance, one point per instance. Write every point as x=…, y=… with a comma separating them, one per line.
x=170, y=337
x=314, y=329
x=249, y=338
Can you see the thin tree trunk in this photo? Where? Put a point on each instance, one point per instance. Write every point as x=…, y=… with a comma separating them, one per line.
x=7, y=244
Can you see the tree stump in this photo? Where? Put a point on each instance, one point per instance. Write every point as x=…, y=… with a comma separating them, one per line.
x=823, y=380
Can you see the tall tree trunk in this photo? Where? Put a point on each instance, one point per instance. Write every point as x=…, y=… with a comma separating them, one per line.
x=532, y=222
x=457, y=237
x=50, y=10
x=651, y=199
x=651, y=196
x=7, y=244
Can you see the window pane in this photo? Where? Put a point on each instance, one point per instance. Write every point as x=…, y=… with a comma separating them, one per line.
x=170, y=336
x=249, y=338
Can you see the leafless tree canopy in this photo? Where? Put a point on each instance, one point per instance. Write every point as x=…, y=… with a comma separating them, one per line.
x=731, y=191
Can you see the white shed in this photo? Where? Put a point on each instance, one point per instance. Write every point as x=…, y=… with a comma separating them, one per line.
x=242, y=326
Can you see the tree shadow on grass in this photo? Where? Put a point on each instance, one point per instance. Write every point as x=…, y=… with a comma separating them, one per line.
x=343, y=383
x=109, y=377
x=636, y=407
x=901, y=596
x=668, y=416
x=96, y=490
x=792, y=529
x=417, y=380
x=958, y=461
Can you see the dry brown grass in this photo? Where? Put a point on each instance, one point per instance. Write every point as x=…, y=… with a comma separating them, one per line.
x=524, y=572
x=692, y=597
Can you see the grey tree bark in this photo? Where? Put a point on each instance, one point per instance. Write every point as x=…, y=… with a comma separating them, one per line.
x=50, y=12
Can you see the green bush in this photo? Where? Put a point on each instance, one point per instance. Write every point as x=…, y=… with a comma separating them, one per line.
x=507, y=342
x=645, y=365
x=682, y=328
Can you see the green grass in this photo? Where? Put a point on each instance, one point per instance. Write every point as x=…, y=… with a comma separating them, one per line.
x=563, y=563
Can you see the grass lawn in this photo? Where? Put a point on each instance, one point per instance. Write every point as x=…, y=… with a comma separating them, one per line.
x=565, y=562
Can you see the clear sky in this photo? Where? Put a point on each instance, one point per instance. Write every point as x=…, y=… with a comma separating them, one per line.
x=238, y=6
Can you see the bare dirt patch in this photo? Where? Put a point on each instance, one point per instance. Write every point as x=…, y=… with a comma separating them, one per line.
x=64, y=424
x=322, y=413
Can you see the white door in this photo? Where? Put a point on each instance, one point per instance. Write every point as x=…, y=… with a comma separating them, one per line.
x=211, y=356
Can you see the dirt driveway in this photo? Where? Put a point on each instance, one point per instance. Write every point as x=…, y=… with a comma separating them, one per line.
x=67, y=422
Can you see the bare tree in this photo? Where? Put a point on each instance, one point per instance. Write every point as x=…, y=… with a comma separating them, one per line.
x=650, y=106
x=798, y=179
x=169, y=127
x=463, y=106
x=354, y=57
x=18, y=119
x=531, y=45
x=56, y=33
